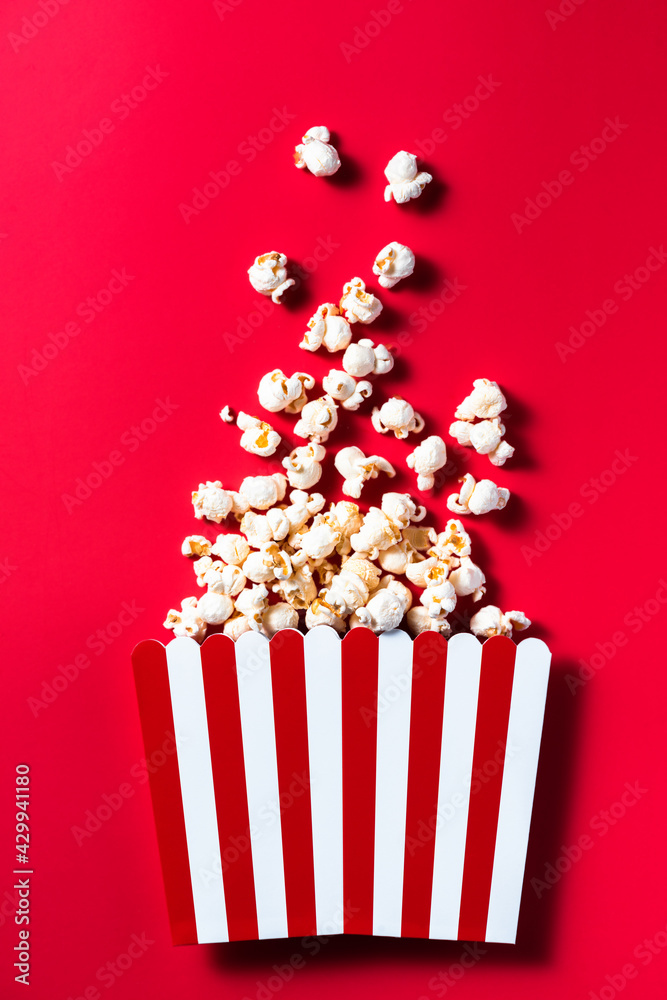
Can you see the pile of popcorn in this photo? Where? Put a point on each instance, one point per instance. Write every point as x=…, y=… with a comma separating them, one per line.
x=298, y=560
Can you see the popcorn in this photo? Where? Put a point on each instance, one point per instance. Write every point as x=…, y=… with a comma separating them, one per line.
x=201, y=567
x=485, y=437
x=327, y=328
x=346, y=593
x=418, y=572
x=420, y=538
x=252, y=603
x=214, y=608
x=196, y=545
x=316, y=152
x=396, y=558
x=303, y=466
x=210, y=501
x=232, y=549
x=398, y=416
x=377, y=532
x=363, y=358
x=356, y=469
x=426, y=459
x=302, y=507
x=268, y=275
x=187, y=621
x=277, y=616
x=485, y=401
x=439, y=599
x=227, y=415
x=236, y=625
x=262, y=492
x=401, y=509
x=222, y=579
x=321, y=539
x=500, y=454
x=258, y=567
x=490, y=621
x=468, y=579
x=346, y=390
x=403, y=593
x=364, y=569
x=299, y=590
x=453, y=541
x=404, y=180
x=320, y=614
x=278, y=392
x=278, y=523
x=419, y=620
x=348, y=518
x=258, y=437
x=358, y=305
x=394, y=262
x=477, y=497
x=383, y=612
x=257, y=529
x=318, y=419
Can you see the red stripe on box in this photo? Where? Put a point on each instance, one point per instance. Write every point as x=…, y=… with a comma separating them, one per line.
x=359, y=652
x=288, y=679
x=151, y=679
x=493, y=709
x=229, y=783
x=426, y=709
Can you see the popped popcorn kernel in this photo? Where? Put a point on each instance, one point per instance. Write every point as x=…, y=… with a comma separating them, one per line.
x=346, y=390
x=346, y=592
x=477, y=497
x=318, y=419
x=319, y=613
x=252, y=603
x=210, y=501
x=214, y=608
x=262, y=492
x=490, y=620
x=231, y=548
x=405, y=181
x=426, y=459
x=316, y=152
x=258, y=438
x=268, y=275
x=397, y=415
x=278, y=392
x=363, y=358
x=419, y=620
x=358, y=305
x=235, y=626
x=279, y=616
x=227, y=415
x=187, y=621
x=196, y=545
x=356, y=469
x=383, y=612
x=468, y=579
x=303, y=467
x=393, y=263
x=328, y=329
x=485, y=401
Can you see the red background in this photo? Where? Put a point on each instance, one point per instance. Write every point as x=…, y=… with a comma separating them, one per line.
x=166, y=336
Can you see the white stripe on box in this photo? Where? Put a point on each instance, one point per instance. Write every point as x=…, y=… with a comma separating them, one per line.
x=464, y=660
x=322, y=656
x=391, y=779
x=188, y=705
x=529, y=691
x=253, y=671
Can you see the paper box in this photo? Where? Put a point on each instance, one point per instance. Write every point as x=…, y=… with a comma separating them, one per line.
x=366, y=785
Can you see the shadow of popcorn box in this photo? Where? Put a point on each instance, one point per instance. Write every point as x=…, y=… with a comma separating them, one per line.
x=365, y=785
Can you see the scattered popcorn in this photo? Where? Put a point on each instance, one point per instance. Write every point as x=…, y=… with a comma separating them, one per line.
x=303, y=466
x=363, y=358
x=377, y=532
x=187, y=621
x=401, y=509
x=327, y=328
x=201, y=567
x=316, y=152
x=490, y=621
x=485, y=437
x=485, y=401
x=235, y=627
x=278, y=392
x=398, y=589
x=277, y=616
x=364, y=569
x=223, y=579
x=426, y=459
x=453, y=541
x=196, y=545
x=346, y=593
x=227, y=415
x=419, y=571
x=419, y=620
x=383, y=612
x=299, y=590
x=398, y=416
x=439, y=599
x=500, y=454
x=320, y=541
x=358, y=305
x=262, y=492
x=405, y=182
x=394, y=262
x=214, y=608
x=356, y=469
x=252, y=603
x=231, y=548
x=268, y=275
x=468, y=579
x=210, y=501
x=346, y=390
x=258, y=438
x=318, y=419
x=319, y=613
x=477, y=497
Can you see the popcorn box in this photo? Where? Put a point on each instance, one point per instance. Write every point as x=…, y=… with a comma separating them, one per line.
x=364, y=785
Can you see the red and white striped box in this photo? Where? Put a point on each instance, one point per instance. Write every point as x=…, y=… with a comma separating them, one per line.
x=367, y=785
